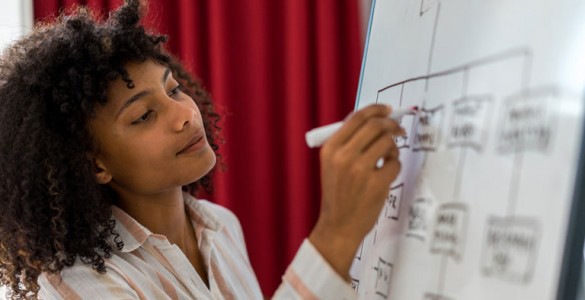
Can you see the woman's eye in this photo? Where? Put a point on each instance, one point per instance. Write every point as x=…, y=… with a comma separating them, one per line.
x=176, y=90
x=145, y=117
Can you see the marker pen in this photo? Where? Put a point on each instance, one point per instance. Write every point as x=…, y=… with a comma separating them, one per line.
x=316, y=137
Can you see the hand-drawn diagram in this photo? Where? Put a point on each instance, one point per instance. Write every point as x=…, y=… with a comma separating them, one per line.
x=449, y=230
x=527, y=122
x=427, y=133
x=510, y=249
x=470, y=119
x=383, y=276
x=418, y=218
x=508, y=120
x=393, y=201
x=511, y=243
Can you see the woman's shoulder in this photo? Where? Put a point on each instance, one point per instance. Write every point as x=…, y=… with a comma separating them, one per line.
x=82, y=281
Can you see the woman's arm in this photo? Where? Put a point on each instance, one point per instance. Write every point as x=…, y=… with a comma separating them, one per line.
x=353, y=192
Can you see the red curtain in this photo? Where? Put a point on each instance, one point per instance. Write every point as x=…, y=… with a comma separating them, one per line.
x=275, y=69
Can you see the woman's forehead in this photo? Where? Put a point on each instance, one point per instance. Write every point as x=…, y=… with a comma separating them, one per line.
x=142, y=74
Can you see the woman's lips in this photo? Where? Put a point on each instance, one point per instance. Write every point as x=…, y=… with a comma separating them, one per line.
x=196, y=143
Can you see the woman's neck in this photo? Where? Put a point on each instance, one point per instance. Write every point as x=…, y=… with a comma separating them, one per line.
x=165, y=214
x=162, y=213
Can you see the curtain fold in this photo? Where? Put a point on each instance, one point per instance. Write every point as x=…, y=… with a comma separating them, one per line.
x=275, y=70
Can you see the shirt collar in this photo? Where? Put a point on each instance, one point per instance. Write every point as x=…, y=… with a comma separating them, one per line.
x=134, y=234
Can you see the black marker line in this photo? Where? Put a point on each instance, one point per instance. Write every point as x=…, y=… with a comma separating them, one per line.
x=518, y=154
x=527, y=72
x=401, y=93
x=430, y=61
x=442, y=277
x=459, y=174
x=515, y=181
x=429, y=64
x=456, y=185
x=463, y=152
x=465, y=85
x=479, y=62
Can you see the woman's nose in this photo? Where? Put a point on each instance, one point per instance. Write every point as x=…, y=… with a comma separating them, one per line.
x=181, y=115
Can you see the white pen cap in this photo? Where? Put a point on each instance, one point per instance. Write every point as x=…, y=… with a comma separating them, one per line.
x=318, y=136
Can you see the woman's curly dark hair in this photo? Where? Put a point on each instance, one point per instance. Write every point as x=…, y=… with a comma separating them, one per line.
x=52, y=209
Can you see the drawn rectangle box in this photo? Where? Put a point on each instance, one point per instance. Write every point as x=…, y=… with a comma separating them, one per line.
x=418, y=218
x=527, y=122
x=469, y=121
x=404, y=141
x=393, y=202
x=434, y=296
x=355, y=284
x=383, y=278
x=450, y=229
x=427, y=129
x=510, y=248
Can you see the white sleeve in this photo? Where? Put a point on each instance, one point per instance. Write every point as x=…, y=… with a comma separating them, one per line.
x=310, y=276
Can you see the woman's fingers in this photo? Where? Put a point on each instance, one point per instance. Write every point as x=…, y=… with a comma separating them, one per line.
x=356, y=120
x=381, y=148
x=371, y=130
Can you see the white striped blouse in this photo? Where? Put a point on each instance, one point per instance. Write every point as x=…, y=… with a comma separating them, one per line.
x=149, y=267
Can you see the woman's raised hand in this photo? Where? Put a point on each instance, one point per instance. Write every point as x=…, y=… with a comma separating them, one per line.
x=354, y=184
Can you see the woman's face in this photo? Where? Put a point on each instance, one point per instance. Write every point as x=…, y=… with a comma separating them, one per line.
x=150, y=139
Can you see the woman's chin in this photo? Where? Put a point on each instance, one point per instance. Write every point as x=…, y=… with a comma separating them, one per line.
x=204, y=167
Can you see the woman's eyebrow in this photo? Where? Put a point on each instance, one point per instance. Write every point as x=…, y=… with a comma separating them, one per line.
x=132, y=100
x=166, y=75
x=141, y=94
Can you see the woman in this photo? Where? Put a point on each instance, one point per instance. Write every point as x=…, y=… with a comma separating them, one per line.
x=106, y=137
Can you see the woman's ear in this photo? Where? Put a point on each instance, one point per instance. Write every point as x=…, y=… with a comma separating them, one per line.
x=102, y=174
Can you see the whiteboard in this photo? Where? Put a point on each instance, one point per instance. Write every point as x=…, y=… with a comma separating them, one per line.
x=16, y=19
x=481, y=207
